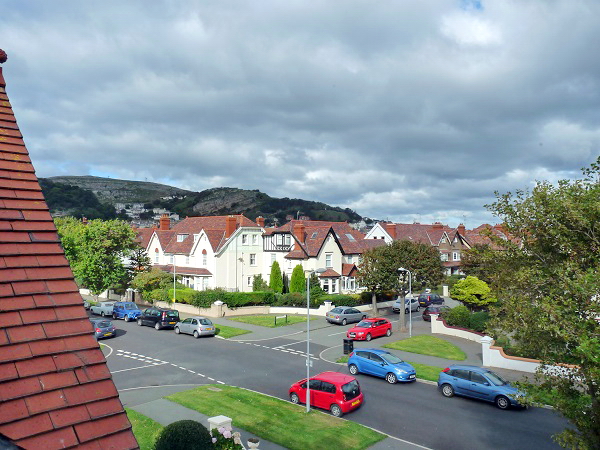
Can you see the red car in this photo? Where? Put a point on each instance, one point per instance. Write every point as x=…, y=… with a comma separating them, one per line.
x=367, y=329
x=334, y=391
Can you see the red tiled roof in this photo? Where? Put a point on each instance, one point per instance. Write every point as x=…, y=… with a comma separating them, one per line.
x=348, y=270
x=144, y=235
x=55, y=388
x=329, y=273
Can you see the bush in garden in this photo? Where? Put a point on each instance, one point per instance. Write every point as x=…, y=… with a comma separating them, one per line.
x=184, y=435
x=478, y=321
x=458, y=316
x=343, y=299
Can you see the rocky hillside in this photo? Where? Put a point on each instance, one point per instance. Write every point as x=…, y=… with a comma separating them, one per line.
x=216, y=201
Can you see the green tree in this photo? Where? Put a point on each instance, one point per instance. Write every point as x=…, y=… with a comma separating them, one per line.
x=258, y=284
x=379, y=268
x=276, y=280
x=549, y=301
x=96, y=251
x=474, y=293
x=298, y=281
x=146, y=282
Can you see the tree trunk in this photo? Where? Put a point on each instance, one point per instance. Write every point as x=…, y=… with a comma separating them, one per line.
x=374, y=303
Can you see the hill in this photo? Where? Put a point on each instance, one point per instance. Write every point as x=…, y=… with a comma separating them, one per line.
x=215, y=201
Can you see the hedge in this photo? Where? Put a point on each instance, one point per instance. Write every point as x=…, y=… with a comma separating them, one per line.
x=203, y=299
x=460, y=316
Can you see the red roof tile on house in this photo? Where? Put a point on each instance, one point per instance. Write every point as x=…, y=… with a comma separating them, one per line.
x=53, y=374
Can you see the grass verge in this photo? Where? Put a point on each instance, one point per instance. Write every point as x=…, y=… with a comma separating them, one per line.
x=268, y=320
x=429, y=345
x=227, y=332
x=144, y=428
x=276, y=420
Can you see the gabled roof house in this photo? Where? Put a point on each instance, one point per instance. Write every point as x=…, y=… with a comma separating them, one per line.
x=55, y=388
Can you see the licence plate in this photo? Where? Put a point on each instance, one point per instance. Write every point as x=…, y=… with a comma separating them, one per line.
x=209, y=329
x=171, y=323
x=355, y=403
x=107, y=334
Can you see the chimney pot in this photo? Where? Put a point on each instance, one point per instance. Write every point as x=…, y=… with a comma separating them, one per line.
x=260, y=221
x=164, y=222
x=230, y=223
x=390, y=228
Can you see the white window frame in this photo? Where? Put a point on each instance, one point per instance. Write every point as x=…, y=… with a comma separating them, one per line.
x=172, y=259
x=253, y=259
x=273, y=258
x=187, y=260
x=244, y=239
x=254, y=239
x=456, y=256
x=329, y=260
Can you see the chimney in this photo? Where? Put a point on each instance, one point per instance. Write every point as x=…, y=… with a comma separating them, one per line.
x=230, y=223
x=260, y=221
x=299, y=232
x=165, y=222
x=437, y=226
x=461, y=229
x=390, y=228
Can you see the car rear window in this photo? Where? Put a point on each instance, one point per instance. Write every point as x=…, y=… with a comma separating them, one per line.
x=205, y=322
x=351, y=390
x=130, y=306
x=103, y=324
x=337, y=310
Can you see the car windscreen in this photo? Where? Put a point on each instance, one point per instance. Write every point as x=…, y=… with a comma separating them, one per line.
x=392, y=359
x=205, y=322
x=364, y=324
x=496, y=379
x=172, y=314
x=130, y=306
x=351, y=389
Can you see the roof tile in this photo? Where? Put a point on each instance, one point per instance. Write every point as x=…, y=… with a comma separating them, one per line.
x=8, y=371
x=69, y=416
x=101, y=427
x=58, y=380
x=38, y=315
x=92, y=373
x=122, y=440
x=90, y=392
x=10, y=319
x=24, y=428
x=20, y=388
x=35, y=366
x=13, y=352
x=65, y=436
x=25, y=333
x=13, y=410
x=68, y=361
x=103, y=407
x=46, y=401
x=29, y=287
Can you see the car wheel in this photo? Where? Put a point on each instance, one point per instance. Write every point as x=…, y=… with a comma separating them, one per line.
x=294, y=398
x=388, y=333
x=196, y=334
x=502, y=402
x=157, y=326
x=336, y=410
x=368, y=337
x=139, y=322
x=114, y=316
x=363, y=317
x=391, y=378
x=418, y=308
x=177, y=330
x=344, y=321
x=126, y=318
x=353, y=369
x=406, y=311
x=102, y=314
x=447, y=390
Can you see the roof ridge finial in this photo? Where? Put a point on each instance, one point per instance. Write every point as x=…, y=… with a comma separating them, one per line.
x=3, y=56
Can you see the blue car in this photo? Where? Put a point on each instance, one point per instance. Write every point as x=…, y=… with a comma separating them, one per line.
x=380, y=363
x=480, y=383
x=126, y=310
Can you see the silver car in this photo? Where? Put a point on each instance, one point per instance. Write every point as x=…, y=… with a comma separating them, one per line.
x=196, y=326
x=344, y=315
x=103, y=328
x=414, y=304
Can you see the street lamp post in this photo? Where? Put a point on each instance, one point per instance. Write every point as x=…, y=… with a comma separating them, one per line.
x=174, y=279
x=308, y=336
x=402, y=269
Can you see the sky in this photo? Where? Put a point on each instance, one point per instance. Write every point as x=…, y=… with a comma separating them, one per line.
x=400, y=110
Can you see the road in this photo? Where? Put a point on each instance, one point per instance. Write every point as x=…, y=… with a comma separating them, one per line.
x=141, y=357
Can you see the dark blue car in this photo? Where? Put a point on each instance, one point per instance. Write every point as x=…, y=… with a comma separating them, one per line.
x=480, y=383
x=126, y=310
x=380, y=363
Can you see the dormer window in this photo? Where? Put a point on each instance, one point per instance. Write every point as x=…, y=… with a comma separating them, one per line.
x=314, y=235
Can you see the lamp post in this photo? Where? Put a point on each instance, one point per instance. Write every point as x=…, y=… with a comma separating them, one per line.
x=402, y=269
x=308, y=335
x=174, y=279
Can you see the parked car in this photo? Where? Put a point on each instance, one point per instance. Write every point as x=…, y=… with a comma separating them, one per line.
x=159, y=318
x=434, y=310
x=344, y=315
x=414, y=304
x=337, y=392
x=126, y=310
x=103, y=328
x=427, y=299
x=380, y=363
x=480, y=383
x=103, y=309
x=196, y=326
x=86, y=304
x=370, y=328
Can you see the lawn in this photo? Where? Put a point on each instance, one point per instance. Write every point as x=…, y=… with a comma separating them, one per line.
x=429, y=345
x=268, y=320
x=276, y=420
x=145, y=429
x=227, y=332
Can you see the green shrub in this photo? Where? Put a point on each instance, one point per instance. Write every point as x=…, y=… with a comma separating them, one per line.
x=365, y=297
x=184, y=435
x=292, y=299
x=478, y=321
x=458, y=316
x=158, y=295
x=203, y=299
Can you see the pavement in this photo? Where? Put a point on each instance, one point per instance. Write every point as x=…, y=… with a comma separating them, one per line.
x=165, y=412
